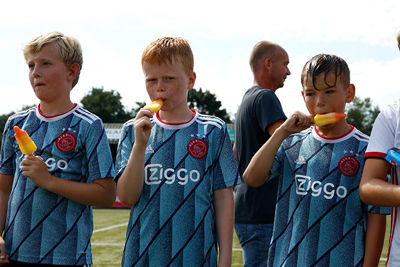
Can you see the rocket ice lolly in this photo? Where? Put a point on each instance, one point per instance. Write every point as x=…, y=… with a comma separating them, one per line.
x=329, y=118
x=155, y=105
x=25, y=143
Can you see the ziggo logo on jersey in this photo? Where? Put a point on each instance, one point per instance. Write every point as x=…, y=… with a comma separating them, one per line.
x=52, y=164
x=328, y=190
x=155, y=173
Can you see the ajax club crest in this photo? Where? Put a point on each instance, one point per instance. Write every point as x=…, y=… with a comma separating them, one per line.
x=66, y=142
x=197, y=148
x=348, y=165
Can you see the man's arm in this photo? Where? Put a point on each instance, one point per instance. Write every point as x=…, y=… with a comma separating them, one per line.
x=5, y=190
x=224, y=213
x=374, y=190
x=272, y=128
x=374, y=238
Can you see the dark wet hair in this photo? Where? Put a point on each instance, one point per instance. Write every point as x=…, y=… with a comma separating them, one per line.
x=324, y=64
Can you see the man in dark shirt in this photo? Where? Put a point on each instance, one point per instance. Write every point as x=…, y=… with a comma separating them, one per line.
x=259, y=114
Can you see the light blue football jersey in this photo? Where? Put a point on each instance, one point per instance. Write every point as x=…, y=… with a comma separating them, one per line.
x=42, y=227
x=173, y=223
x=320, y=219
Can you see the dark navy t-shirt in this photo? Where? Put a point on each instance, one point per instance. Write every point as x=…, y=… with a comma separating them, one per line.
x=259, y=109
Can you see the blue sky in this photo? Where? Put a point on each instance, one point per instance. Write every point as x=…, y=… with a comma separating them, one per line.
x=222, y=33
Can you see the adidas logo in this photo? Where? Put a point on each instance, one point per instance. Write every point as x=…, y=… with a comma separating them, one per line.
x=149, y=150
x=300, y=160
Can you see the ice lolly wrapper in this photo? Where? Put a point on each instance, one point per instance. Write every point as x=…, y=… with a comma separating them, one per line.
x=25, y=143
x=155, y=105
x=329, y=118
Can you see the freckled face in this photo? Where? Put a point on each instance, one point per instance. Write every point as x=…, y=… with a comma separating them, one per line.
x=170, y=82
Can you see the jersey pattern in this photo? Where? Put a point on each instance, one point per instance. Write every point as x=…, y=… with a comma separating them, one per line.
x=43, y=227
x=320, y=219
x=173, y=222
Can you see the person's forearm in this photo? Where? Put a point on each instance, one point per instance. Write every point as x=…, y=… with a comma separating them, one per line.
x=130, y=183
x=374, y=239
x=257, y=172
x=5, y=190
x=224, y=209
x=380, y=193
x=100, y=193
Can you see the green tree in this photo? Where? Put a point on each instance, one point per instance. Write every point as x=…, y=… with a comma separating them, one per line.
x=362, y=114
x=206, y=103
x=107, y=105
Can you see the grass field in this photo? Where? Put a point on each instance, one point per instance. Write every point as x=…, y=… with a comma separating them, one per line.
x=109, y=236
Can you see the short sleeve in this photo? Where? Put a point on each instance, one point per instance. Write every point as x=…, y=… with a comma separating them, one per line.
x=385, y=133
x=7, y=154
x=98, y=153
x=125, y=145
x=277, y=163
x=268, y=109
x=226, y=173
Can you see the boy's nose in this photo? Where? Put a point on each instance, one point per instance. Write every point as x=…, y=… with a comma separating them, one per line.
x=160, y=87
x=320, y=101
x=35, y=72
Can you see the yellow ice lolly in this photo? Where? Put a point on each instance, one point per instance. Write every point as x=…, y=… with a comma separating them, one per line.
x=155, y=105
x=25, y=143
x=328, y=118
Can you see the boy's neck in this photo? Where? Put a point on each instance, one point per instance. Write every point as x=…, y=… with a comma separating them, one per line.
x=54, y=109
x=176, y=117
x=336, y=130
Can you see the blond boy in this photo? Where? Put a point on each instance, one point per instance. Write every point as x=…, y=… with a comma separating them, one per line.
x=48, y=219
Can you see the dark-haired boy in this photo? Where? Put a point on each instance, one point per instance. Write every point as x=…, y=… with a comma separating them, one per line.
x=320, y=219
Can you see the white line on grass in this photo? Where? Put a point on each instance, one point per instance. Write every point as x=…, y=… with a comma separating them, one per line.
x=110, y=227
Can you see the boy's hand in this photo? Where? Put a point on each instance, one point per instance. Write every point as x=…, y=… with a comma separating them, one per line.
x=3, y=255
x=34, y=168
x=142, y=126
x=296, y=123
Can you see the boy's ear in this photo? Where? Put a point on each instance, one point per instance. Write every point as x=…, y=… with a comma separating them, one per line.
x=74, y=71
x=192, y=79
x=350, y=93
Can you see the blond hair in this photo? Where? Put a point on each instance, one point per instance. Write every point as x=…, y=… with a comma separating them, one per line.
x=69, y=49
x=167, y=49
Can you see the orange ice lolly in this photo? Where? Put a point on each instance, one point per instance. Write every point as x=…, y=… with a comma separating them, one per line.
x=155, y=105
x=329, y=118
x=25, y=143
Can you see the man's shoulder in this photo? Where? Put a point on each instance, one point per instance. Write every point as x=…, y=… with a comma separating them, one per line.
x=256, y=95
x=256, y=90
